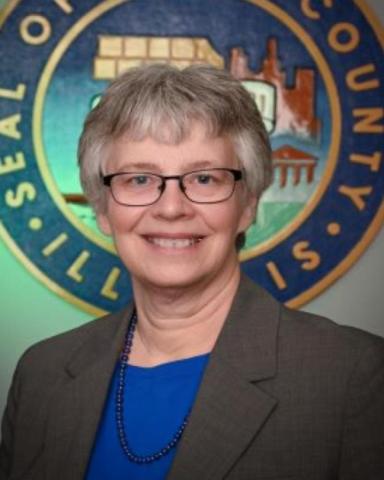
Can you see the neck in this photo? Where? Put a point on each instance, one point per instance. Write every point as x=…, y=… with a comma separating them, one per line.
x=180, y=323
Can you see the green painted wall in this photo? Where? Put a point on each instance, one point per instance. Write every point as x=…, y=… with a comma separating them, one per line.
x=29, y=312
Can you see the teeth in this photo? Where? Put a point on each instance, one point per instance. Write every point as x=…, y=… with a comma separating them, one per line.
x=174, y=242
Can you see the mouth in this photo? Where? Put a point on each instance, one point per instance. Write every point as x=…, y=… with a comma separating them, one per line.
x=174, y=242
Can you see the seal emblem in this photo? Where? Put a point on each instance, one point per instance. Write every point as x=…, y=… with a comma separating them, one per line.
x=314, y=77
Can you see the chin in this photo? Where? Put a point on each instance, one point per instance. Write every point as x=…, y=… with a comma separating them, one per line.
x=172, y=277
x=171, y=282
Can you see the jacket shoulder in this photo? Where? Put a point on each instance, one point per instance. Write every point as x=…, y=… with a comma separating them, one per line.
x=313, y=324
x=326, y=338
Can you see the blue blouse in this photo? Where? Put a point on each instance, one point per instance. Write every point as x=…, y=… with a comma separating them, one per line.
x=156, y=400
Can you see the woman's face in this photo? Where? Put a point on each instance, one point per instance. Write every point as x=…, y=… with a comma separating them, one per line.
x=175, y=242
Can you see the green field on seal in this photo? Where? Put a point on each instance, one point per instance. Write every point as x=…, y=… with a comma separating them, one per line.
x=271, y=218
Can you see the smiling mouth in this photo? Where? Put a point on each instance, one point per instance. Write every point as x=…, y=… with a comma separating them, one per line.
x=174, y=242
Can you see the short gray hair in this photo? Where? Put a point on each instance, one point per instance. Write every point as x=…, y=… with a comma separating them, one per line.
x=161, y=101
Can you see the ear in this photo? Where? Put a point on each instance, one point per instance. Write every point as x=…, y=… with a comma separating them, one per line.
x=249, y=213
x=103, y=223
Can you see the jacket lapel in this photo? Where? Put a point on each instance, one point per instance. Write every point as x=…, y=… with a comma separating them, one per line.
x=230, y=408
x=78, y=404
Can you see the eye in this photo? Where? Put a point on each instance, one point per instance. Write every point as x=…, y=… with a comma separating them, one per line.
x=136, y=180
x=140, y=179
x=202, y=178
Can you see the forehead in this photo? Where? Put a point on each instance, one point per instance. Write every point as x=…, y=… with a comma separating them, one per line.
x=197, y=150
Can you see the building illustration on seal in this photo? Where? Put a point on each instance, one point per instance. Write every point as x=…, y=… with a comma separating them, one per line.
x=295, y=103
x=117, y=54
x=283, y=108
x=287, y=158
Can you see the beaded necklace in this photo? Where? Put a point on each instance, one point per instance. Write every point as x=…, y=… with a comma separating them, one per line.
x=133, y=457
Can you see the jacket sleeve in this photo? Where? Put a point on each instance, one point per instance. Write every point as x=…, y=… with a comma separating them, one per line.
x=8, y=429
x=362, y=454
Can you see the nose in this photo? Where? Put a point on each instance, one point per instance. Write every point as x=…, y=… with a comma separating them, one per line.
x=172, y=204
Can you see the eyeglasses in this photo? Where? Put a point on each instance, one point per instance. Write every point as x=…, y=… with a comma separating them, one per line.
x=138, y=189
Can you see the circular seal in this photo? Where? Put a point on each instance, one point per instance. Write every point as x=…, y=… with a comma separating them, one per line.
x=314, y=77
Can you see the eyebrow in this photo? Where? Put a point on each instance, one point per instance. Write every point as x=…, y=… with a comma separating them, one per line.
x=150, y=166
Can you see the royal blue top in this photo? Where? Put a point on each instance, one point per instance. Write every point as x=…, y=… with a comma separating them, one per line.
x=156, y=401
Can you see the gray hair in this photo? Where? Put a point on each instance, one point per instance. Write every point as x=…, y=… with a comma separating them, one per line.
x=161, y=101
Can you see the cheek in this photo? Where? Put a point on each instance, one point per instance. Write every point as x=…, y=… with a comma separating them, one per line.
x=223, y=219
x=119, y=219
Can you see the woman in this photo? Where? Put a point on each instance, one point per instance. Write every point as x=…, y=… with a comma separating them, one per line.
x=204, y=375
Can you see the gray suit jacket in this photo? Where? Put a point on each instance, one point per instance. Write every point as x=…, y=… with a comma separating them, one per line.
x=286, y=395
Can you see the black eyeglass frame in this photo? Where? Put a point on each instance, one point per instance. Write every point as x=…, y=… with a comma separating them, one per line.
x=107, y=180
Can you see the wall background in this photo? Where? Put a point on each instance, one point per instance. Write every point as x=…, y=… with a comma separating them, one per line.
x=30, y=312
